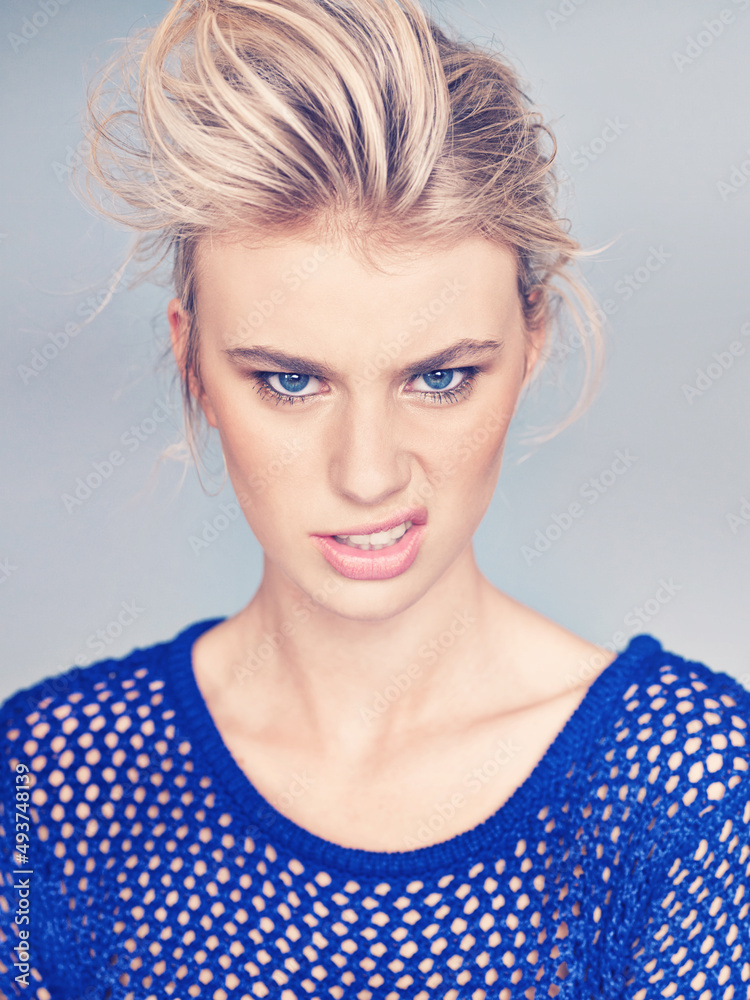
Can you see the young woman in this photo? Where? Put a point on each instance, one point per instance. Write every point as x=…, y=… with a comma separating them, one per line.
x=383, y=778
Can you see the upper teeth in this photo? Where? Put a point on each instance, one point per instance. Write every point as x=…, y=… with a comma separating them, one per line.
x=378, y=540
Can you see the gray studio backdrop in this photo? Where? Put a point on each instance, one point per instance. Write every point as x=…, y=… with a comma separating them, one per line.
x=650, y=101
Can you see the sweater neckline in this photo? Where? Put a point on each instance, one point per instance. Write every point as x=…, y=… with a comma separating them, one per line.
x=544, y=785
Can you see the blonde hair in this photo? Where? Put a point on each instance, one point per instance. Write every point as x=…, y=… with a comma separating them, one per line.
x=359, y=121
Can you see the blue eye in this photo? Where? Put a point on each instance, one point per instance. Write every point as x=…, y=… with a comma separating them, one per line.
x=444, y=385
x=290, y=382
x=441, y=379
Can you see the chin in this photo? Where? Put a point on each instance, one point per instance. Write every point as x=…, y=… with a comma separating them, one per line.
x=371, y=600
x=370, y=611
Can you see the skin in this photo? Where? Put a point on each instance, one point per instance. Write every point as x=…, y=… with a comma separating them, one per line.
x=364, y=444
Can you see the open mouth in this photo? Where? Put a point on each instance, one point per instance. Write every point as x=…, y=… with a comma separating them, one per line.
x=378, y=555
x=377, y=540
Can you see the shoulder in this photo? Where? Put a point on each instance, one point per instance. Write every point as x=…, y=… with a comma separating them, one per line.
x=688, y=727
x=111, y=695
x=684, y=761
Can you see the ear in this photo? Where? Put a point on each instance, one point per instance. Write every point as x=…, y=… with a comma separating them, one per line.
x=179, y=326
x=535, y=338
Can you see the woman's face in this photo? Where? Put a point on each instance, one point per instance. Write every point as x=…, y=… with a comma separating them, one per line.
x=347, y=400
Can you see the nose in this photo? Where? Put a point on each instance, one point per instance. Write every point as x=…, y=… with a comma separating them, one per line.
x=369, y=459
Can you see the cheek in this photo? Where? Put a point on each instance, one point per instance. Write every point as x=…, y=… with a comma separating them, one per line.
x=267, y=463
x=264, y=471
x=248, y=437
x=472, y=448
x=248, y=444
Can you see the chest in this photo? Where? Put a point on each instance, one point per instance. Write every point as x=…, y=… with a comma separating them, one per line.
x=415, y=795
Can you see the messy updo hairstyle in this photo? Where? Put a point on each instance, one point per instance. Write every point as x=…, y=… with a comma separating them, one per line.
x=360, y=122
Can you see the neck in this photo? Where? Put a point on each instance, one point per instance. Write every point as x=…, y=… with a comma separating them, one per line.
x=349, y=682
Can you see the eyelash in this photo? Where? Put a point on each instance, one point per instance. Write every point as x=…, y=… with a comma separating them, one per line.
x=451, y=395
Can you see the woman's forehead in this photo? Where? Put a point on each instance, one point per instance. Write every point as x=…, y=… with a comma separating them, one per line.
x=229, y=256
x=300, y=286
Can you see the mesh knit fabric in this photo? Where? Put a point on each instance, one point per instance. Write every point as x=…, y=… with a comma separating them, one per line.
x=620, y=868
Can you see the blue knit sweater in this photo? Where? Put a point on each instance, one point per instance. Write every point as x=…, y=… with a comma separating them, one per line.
x=149, y=866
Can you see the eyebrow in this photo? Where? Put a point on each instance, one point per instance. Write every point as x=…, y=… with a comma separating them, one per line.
x=279, y=361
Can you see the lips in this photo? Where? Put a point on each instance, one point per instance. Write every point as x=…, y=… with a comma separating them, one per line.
x=417, y=515
x=375, y=564
x=371, y=564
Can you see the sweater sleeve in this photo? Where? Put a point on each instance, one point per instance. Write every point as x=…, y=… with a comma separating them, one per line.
x=693, y=940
